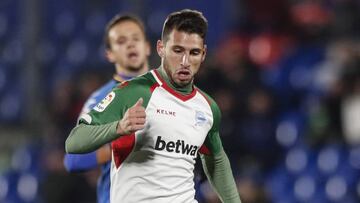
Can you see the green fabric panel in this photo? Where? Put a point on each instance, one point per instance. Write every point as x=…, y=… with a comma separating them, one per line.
x=218, y=171
x=126, y=95
x=87, y=137
x=213, y=141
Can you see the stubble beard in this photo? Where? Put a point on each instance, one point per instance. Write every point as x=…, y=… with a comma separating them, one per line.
x=166, y=66
x=171, y=77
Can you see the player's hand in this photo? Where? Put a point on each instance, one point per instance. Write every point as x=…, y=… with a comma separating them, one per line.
x=133, y=120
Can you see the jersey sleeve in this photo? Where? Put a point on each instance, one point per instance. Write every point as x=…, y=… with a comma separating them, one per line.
x=83, y=162
x=213, y=144
x=80, y=162
x=218, y=171
x=98, y=127
x=216, y=164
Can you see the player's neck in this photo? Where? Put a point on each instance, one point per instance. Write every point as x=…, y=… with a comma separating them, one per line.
x=120, y=77
x=183, y=90
x=123, y=74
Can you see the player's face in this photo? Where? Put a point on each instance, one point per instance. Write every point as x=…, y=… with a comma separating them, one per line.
x=182, y=55
x=129, y=48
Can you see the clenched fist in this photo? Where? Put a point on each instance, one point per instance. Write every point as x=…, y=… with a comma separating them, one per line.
x=133, y=119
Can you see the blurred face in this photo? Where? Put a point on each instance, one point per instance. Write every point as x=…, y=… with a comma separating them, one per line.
x=129, y=48
x=181, y=56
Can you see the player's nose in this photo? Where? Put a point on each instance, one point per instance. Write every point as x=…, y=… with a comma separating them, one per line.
x=185, y=60
x=131, y=43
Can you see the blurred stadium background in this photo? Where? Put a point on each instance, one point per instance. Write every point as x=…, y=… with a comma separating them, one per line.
x=286, y=74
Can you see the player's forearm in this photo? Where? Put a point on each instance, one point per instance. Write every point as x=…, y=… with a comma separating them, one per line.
x=88, y=161
x=218, y=171
x=80, y=162
x=87, y=138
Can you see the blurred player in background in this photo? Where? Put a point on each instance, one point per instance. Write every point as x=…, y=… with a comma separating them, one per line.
x=158, y=122
x=128, y=49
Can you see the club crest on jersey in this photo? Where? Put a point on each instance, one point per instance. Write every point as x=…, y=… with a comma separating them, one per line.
x=100, y=107
x=200, y=118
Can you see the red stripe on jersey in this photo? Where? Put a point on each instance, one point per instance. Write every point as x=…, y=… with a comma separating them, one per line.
x=204, y=150
x=123, y=84
x=173, y=92
x=122, y=147
x=153, y=87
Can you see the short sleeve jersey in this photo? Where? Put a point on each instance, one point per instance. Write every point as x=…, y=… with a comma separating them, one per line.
x=156, y=164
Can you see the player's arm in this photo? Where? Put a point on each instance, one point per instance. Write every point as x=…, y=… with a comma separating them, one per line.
x=218, y=171
x=217, y=165
x=86, y=138
x=120, y=113
x=83, y=162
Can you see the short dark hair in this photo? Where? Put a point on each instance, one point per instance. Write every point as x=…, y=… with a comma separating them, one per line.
x=119, y=19
x=189, y=21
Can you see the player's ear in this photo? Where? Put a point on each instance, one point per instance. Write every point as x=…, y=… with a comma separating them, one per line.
x=110, y=56
x=160, y=48
x=204, y=53
x=148, y=48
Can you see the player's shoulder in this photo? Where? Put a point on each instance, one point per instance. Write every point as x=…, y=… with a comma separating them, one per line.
x=140, y=82
x=98, y=95
x=208, y=98
x=138, y=86
x=212, y=103
x=103, y=90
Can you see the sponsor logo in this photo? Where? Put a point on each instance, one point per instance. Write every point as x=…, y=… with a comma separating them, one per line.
x=165, y=112
x=176, y=147
x=200, y=118
x=100, y=107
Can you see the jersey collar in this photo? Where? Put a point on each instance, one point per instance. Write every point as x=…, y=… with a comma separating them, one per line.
x=172, y=91
x=120, y=77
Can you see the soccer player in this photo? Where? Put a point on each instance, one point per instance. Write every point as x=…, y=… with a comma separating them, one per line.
x=127, y=47
x=158, y=122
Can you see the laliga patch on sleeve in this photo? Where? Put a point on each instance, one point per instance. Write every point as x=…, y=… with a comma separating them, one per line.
x=100, y=107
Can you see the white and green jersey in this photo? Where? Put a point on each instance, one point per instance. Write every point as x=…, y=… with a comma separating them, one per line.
x=156, y=164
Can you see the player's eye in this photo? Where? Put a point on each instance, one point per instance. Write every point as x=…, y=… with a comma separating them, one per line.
x=178, y=50
x=195, y=52
x=121, y=41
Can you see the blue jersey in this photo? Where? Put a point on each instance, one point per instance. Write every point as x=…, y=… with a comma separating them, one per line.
x=83, y=162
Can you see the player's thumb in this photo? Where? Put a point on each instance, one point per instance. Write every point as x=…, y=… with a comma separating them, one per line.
x=139, y=102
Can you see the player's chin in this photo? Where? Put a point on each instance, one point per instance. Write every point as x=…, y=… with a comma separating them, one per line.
x=136, y=63
x=135, y=66
x=183, y=82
